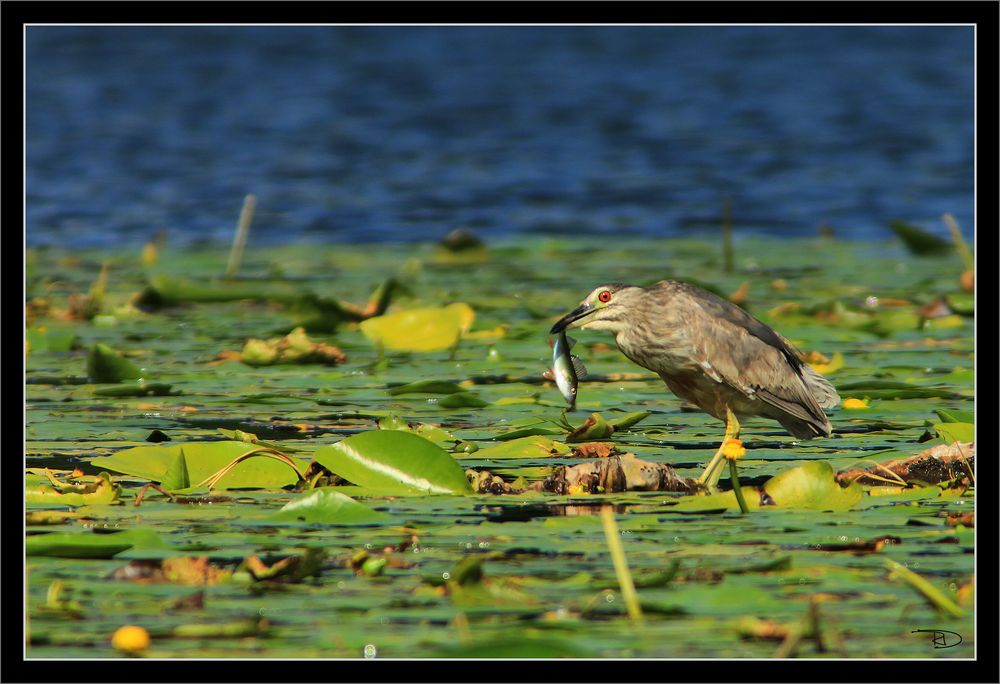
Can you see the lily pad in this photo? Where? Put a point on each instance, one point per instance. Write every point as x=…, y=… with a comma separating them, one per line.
x=919, y=241
x=956, y=432
x=182, y=466
x=431, y=329
x=534, y=446
x=463, y=400
x=105, y=364
x=393, y=460
x=101, y=492
x=813, y=485
x=90, y=544
x=426, y=387
x=140, y=388
x=47, y=338
x=326, y=505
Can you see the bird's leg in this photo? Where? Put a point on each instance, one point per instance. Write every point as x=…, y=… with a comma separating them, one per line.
x=710, y=478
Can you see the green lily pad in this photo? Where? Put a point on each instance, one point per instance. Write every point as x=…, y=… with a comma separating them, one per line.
x=956, y=416
x=105, y=364
x=426, y=387
x=140, y=388
x=717, y=503
x=956, y=432
x=325, y=505
x=48, y=338
x=919, y=241
x=535, y=446
x=521, y=647
x=890, y=389
x=814, y=486
x=394, y=460
x=629, y=419
x=463, y=400
x=594, y=427
x=182, y=466
x=90, y=544
x=102, y=492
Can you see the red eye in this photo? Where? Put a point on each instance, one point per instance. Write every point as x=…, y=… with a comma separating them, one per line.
x=605, y=296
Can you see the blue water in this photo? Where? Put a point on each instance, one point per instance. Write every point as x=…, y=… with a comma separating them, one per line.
x=388, y=134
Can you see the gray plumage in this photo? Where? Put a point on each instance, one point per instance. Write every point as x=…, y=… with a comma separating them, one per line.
x=712, y=353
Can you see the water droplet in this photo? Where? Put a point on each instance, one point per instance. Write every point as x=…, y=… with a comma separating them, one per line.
x=609, y=597
x=370, y=651
x=446, y=575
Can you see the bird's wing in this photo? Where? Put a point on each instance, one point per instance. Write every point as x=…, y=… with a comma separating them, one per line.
x=736, y=349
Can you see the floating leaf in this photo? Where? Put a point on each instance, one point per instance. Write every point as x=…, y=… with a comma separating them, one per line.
x=962, y=302
x=295, y=347
x=140, y=388
x=956, y=432
x=426, y=387
x=90, y=544
x=425, y=430
x=951, y=416
x=181, y=466
x=103, y=491
x=46, y=338
x=520, y=647
x=535, y=446
x=813, y=485
x=431, y=329
x=629, y=419
x=717, y=503
x=326, y=505
x=919, y=241
x=393, y=460
x=593, y=428
x=890, y=389
x=462, y=400
x=105, y=364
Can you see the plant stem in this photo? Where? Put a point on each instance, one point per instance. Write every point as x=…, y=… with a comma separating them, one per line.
x=240, y=238
x=960, y=244
x=621, y=565
x=734, y=476
x=930, y=592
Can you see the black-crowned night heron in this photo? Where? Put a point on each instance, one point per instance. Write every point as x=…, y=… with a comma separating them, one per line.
x=713, y=354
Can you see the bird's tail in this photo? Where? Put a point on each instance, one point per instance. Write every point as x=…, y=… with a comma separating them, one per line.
x=820, y=388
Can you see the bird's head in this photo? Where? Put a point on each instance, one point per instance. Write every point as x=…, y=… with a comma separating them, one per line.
x=608, y=307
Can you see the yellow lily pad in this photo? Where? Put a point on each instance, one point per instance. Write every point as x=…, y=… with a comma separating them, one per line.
x=430, y=329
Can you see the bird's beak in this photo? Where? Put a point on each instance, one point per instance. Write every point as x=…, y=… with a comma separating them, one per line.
x=569, y=319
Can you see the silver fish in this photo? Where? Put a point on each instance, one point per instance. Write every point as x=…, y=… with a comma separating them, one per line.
x=567, y=369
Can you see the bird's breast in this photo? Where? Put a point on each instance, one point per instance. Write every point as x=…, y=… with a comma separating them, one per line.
x=664, y=352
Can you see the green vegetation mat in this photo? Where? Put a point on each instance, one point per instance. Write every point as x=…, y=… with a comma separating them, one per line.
x=404, y=557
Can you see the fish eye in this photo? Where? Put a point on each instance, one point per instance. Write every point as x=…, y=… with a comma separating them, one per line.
x=605, y=296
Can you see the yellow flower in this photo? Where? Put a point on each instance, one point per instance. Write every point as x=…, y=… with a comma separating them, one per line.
x=852, y=403
x=733, y=449
x=130, y=639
